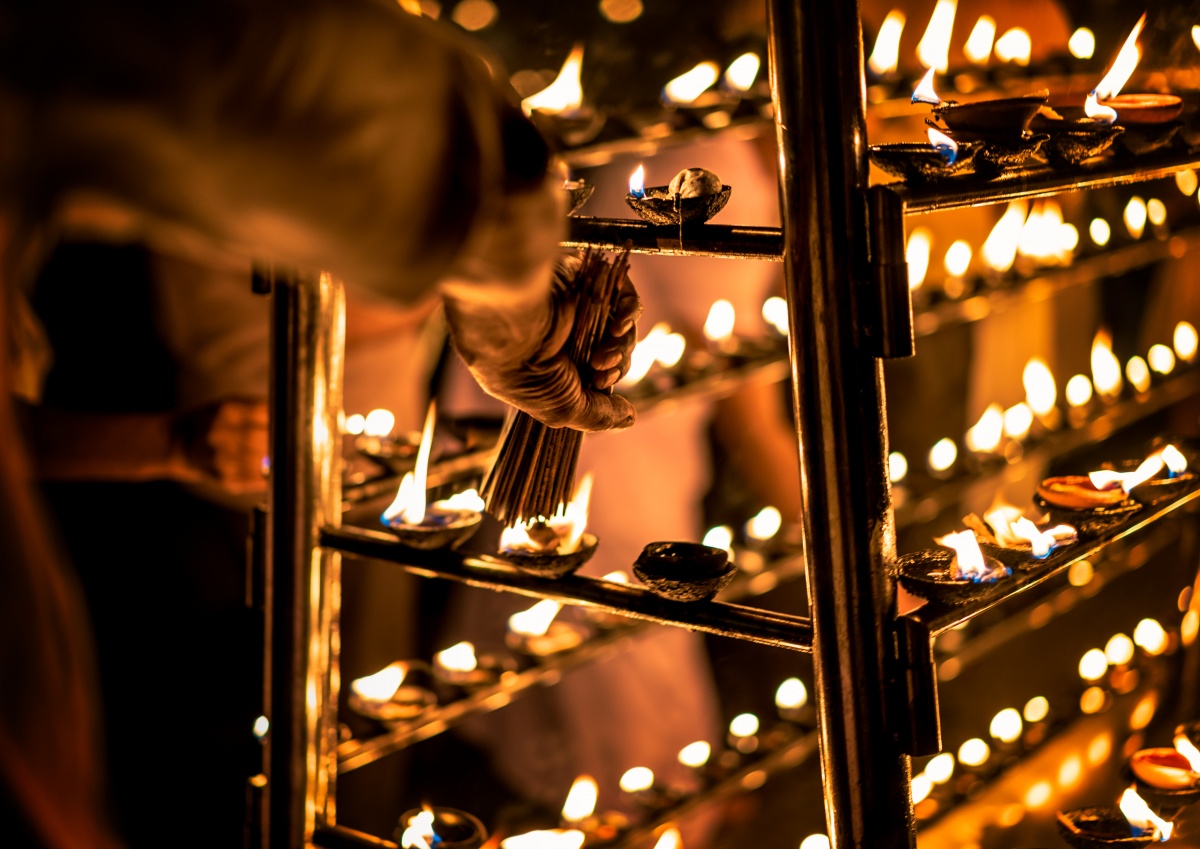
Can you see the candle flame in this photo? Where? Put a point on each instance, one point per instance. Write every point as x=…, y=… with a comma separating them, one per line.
x=418, y=833
x=765, y=523
x=968, y=559
x=742, y=71
x=1123, y=66
x=695, y=754
x=924, y=92
x=1148, y=468
x=1186, y=340
x=1014, y=46
x=637, y=779
x=933, y=51
x=382, y=685
x=581, y=800
x=688, y=86
x=1000, y=247
x=984, y=436
x=1135, y=216
x=943, y=144
x=979, y=42
x=637, y=182
x=535, y=621
x=554, y=838
x=1185, y=747
x=916, y=256
x=468, y=499
x=460, y=657
x=659, y=345
x=1106, y=368
x=1141, y=818
x=1012, y=529
x=885, y=56
x=1040, y=391
x=775, y=313
x=568, y=524
x=377, y=423
x=1176, y=463
x=1097, y=111
x=791, y=694
x=719, y=324
x=410, y=499
x=671, y=839
x=563, y=96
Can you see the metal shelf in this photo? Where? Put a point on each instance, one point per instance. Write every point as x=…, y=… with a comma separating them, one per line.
x=1040, y=181
x=920, y=507
x=713, y=617
x=937, y=618
x=711, y=240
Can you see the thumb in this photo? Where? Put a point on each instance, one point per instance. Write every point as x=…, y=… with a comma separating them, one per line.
x=599, y=411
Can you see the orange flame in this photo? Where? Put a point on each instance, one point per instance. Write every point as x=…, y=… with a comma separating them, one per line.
x=886, y=54
x=1151, y=466
x=535, y=621
x=924, y=92
x=1123, y=66
x=968, y=560
x=1097, y=111
x=1140, y=816
x=410, y=499
x=383, y=684
x=933, y=50
x=581, y=800
x=568, y=523
x=563, y=96
x=1188, y=749
x=418, y=832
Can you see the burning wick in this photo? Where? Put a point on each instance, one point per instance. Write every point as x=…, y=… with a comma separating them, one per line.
x=1123, y=66
x=419, y=834
x=1149, y=467
x=1013, y=530
x=969, y=563
x=1176, y=463
x=459, y=665
x=943, y=144
x=637, y=182
x=564, y=96
x=1097, y=111
x=384, y=696
x=537, y=632
x=561, y=533
x=924, y=92
x=1141, y=819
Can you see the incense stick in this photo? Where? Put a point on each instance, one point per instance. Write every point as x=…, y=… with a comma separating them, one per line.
x=534, y=472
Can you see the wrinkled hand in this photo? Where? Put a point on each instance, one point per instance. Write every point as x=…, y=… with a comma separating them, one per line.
x=548, y=386
x=226, y=444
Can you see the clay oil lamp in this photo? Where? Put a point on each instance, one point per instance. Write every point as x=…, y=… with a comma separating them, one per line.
x=579, y=813
x=721, y=341
x=459, y=666
x=640, y=785
x=1129, y=825
x=1000, y=125
x=386, y=697
x=1177, y=479
x=1096, y=502
x=555, y=546
x=693, y=196
x=1075, y=135
x=684, y=571
x=1151, y=120
x=578, y=192
x=538, y=632
x=1006, y=534
x=657, y=362
x=918, y=163
x=439, y=525
x=957, y=576
x=1169, y=779
x=559, y=111
x=445, y=828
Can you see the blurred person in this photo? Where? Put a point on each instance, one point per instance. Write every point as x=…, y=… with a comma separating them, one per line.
x=325, y=135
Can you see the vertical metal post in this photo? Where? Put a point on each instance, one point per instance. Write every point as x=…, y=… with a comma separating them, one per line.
x=817, y=87
x=307, y=336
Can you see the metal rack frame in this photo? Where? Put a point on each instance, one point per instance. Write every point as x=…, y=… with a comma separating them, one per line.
x=842, y=248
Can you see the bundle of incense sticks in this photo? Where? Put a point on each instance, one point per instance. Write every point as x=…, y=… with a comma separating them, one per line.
x=534, y=473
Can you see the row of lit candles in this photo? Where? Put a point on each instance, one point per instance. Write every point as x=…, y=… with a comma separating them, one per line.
x=1034, y=231
x=1102, y=670
x=986, y=437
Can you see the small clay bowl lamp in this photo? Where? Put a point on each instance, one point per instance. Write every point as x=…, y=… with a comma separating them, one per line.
x=579, y=813
x=443, y=524
x=558, y=110
x=955, y=577
x=1167, y=778
x=1076, y=501
x=1164, y=487
x=998, y=152
x=1006, y=534
x=556, y=546
x=1074, y=136
x=459, y=666
x=918, y=163
x=1001, y=117
x=578, y=193
x=1140, y=110
x=385, y=697
x=538, y=633
x=693, y=196
x=446, y=828
x=684, y=571
x=1099, y=827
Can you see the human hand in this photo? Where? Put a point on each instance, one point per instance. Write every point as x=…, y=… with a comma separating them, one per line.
x=225, y=444
x=546, y=384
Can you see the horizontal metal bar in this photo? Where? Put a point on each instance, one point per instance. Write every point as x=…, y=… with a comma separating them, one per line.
x=356, y=753
x=939, y=618
x=780, y=630
x=1040, y=181
x=1039, y=454
x=340, y=837
x=711, y=240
